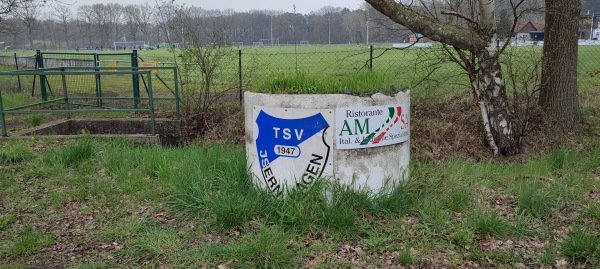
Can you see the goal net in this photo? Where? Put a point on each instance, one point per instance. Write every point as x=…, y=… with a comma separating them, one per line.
x=237, y=44
x=271, y=42
x=304, y=43
x=129, y=45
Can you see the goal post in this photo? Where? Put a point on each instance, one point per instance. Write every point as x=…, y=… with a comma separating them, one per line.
x=271, y=42
x=129, y=45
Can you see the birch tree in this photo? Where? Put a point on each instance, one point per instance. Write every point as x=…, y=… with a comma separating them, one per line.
x=468, y=30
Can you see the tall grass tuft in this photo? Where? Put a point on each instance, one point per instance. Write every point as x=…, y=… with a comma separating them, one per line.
x=557, y=159
x=488, y=223
x=300, y=209
x=405, y=257
x=581, y=246
x=216, y=183
x=537, y=200
x=397, y=199
x=217, y=186
x=15, y=99
x=15, y=152
x=72, y=155
x=360, y=84
x=36, y=120
x=267, y=248
x=156, y=242
x=29, y=241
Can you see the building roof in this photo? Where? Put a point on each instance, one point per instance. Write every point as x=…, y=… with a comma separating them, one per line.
x=529, y=26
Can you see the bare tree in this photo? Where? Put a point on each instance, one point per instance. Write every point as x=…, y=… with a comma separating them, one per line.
x=96, y=17
x=12, y=27
x=199, y=58
x=144, y=20
x=131, y=14
x=8, y=7
x=49, y=31
x=114, y=12
x=329, y=13
x=354, y=23
x=85, y=24
x=29, y=15
x=106, y=18
x=468, y=28
x=64, y=16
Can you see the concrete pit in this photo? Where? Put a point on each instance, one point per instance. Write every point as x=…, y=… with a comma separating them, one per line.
x=168, y=131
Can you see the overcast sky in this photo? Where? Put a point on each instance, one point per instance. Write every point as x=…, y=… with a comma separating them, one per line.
x=302, y=6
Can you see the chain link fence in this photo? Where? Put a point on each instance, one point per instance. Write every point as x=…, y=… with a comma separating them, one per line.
x=423, y=68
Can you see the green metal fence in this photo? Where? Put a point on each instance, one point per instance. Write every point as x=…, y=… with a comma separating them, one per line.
x=95, y=60
x=113, y=89
x=423, y=68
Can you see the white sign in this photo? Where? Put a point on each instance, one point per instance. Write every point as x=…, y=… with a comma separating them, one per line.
x=293, y=146
x=374, y=126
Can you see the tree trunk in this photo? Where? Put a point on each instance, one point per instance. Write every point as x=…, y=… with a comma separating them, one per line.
x=67, y=38
x=496, y=102
x=558, y=95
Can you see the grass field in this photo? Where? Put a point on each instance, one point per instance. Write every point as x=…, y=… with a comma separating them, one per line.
x=409, y=67
x=99, y=204
x=303, y=69
x=90, y=203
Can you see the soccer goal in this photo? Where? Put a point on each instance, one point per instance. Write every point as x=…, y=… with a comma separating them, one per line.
x=238, y=44
x=271, y=42
x=129, y=45
x=304, y=43
x=257, y=44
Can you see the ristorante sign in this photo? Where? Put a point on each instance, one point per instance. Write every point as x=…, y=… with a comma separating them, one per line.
x=373, y=126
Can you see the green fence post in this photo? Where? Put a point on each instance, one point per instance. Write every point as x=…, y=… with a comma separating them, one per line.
x=65, y=92
x=176, y=81
x=151, y=103
x=135, y=79
x=40, y=63
x=98, y=80
x=17, y=68
x=371, y=58
x=2, y=119
x=240, y=73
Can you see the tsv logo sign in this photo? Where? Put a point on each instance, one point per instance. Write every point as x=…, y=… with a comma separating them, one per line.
x=293, y=146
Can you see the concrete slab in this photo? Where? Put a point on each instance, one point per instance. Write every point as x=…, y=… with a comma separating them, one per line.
x=168, y=131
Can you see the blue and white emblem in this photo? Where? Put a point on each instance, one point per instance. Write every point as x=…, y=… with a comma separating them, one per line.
x=293, y=146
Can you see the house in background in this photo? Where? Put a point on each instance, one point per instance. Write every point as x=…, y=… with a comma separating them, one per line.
x=416, y=38
x=589, y=26
x=529, y=31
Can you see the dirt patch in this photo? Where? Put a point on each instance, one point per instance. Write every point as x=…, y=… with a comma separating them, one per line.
x=222, y=124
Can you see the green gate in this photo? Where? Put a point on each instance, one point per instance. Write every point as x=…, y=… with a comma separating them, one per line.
x=112, y=89
x=92, y=60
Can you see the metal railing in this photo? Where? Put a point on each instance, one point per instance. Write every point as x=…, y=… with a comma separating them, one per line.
x=73, y=100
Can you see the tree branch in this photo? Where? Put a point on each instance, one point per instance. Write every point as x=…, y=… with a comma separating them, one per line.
x=463, y=38
x=452, y=13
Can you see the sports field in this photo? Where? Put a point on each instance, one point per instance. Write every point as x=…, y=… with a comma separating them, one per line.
x=346, y=68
